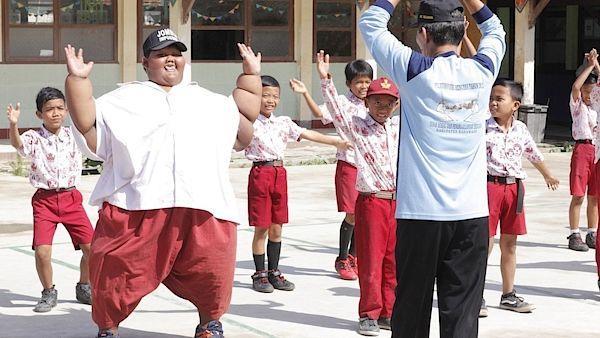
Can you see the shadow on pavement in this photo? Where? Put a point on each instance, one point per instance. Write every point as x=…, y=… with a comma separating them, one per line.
x=550, y=291
x=60, y=322
x=346, y=291
x=540, y=245
x=579, y=266
x=313, y=248
x=270, y=311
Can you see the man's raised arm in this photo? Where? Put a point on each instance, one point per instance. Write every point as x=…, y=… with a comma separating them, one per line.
x=391, y=54
x=492, y=46
x=79, y=95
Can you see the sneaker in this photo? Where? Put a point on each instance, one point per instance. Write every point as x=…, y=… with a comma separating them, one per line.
x=260, y=282
x=590, y=239
x=483, y=311
x=279, y=282
x=575, y=243
x=385, y=323
x=212, y=329
x=598, y=284
x=48, y=300
x=512, y=302
x=353, y=263
x=83, y=293
x=344, y=269
x=368, y=327
x=107, y=334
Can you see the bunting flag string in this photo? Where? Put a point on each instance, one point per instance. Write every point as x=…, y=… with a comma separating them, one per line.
x=216, y=18
x=337, y=15
x=235, y=9
x=269, y=9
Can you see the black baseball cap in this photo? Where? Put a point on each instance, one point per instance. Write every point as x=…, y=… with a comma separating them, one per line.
x=440, y=11
x=160, y=39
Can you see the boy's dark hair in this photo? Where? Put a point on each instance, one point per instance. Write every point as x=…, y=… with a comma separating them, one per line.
x=358, y=68
x=591, y=79
x=516, y=88
x=269, y=81
x=443, y=33
x=46, y=94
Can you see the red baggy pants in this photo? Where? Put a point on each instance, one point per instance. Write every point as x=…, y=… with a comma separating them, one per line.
x=132, y=252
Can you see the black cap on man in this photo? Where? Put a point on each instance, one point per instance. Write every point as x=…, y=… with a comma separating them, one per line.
x=431, y=11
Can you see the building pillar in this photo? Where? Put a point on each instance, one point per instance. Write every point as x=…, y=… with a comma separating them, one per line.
x=525, y=53
x=303, y=18
x=127, y=35
x=181, y=29
x=572, y=57
x=362, y=52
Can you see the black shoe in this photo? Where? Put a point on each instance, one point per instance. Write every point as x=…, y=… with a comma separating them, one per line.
x=384, y=323
x=576, y=243
x=83, y=293
x=212, y=329
x=590, y=239
x=48, y=300
x=483, y=311
x=260, y=282
x=279, y=282
x=510, y=301
x=107, y=334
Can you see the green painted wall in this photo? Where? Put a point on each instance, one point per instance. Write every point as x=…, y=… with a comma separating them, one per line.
x=21, y=83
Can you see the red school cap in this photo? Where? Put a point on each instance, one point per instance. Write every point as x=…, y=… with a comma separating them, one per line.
x=383, y=86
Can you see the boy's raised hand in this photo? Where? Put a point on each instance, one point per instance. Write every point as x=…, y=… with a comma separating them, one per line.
x=250, y=61
x=552, y=182
x=13, y=113
x=344, y=145
x=75, y=64
x=592, y=57
x=323, y=64
x=298, y=86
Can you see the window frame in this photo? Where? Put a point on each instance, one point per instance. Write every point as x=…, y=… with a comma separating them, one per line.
x=352, y=30
x=141, y=27
x=56, y=30
x=247, y=27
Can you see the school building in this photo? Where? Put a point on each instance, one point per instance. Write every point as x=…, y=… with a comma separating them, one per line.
x=546, y=43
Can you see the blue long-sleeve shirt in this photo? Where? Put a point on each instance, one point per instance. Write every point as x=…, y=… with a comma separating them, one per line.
x=442, y=152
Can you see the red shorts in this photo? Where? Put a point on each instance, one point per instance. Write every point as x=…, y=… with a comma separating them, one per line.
x=345, y=186
x=50, y=208
x=582, y=176
x=267, y=196
x=188, y=250
x=502, y=202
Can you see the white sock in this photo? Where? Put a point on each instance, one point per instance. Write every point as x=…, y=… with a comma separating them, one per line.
x=592, y=230
x=575, y=231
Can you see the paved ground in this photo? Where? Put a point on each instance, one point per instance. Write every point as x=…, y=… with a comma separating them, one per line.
x=562, y=283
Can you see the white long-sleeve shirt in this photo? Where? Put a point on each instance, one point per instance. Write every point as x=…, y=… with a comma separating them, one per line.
x=442, y=153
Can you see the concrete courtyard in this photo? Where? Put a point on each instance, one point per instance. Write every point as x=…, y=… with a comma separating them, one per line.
x=560, y=282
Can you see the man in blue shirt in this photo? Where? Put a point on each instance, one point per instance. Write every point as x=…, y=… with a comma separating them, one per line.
x=442, y=207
